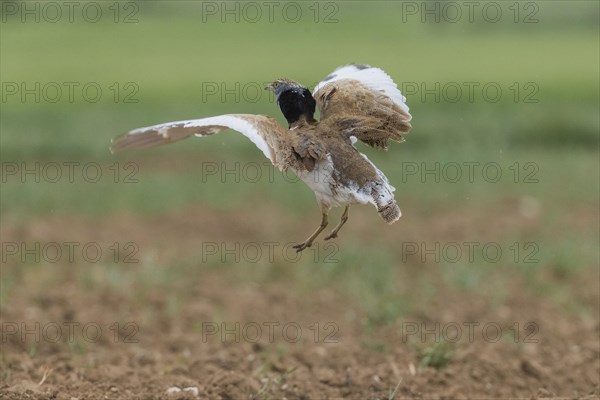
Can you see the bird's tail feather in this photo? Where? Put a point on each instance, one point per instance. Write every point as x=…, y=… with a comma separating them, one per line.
x=390, y=212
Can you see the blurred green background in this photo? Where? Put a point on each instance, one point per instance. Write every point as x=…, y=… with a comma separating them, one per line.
x=175, y=49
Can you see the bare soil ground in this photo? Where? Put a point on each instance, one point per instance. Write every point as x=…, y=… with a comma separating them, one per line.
x=155, y=326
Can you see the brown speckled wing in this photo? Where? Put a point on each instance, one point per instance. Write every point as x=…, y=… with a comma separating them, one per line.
x=265, y=132
x=363, y=102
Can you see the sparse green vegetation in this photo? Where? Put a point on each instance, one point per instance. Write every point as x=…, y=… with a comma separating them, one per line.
x=437, y=355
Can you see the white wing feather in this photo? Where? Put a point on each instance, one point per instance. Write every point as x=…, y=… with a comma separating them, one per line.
x=373, y=78
x=237, y=124
x=174, y=131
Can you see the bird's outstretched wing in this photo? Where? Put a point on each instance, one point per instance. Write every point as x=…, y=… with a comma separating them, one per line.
x=364, y=102
x=272, y=139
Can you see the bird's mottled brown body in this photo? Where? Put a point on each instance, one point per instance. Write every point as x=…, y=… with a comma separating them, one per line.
x=319, y=145
x=356, y=103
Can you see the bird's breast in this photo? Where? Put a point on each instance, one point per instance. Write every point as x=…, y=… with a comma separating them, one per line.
x=325, y=181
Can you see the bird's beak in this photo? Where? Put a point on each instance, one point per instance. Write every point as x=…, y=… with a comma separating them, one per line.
x=269, y=86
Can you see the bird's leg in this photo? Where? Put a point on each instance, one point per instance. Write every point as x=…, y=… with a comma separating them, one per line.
x=308, y=242
x=343, y=220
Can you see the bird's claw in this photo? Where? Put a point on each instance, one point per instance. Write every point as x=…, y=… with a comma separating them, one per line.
x=302, y=246
x=331, y=236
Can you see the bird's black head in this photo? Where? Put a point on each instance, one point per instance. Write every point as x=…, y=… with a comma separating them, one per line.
x=296, y=101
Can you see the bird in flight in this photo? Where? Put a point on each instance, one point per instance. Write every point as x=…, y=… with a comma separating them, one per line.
x=356, y=102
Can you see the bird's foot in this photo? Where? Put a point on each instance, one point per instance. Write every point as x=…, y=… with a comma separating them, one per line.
x=332, y=235
x=302, y=246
